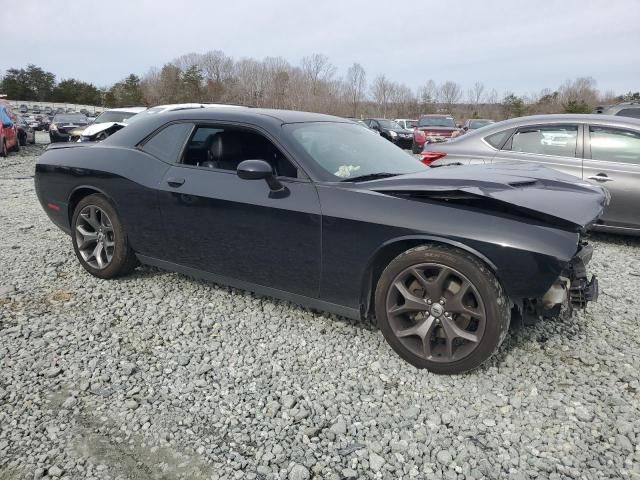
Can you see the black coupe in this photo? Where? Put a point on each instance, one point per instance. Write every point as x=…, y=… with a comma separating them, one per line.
x=314, y=209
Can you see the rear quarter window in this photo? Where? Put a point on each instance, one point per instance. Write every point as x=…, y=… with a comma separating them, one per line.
x=167, y=144
x=497, y=140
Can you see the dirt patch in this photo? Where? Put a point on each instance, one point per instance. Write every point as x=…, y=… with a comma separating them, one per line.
x=60, y=296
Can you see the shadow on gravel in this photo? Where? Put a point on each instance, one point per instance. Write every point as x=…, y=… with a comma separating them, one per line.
x=628, y=240
x=145, y=272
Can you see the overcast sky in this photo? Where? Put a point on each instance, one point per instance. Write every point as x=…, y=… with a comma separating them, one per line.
x=511, y=45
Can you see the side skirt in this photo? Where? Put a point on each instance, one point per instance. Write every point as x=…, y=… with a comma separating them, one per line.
x=252, y=287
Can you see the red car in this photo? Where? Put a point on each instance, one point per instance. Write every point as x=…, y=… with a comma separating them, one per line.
x=433, y=128
x=8, y=133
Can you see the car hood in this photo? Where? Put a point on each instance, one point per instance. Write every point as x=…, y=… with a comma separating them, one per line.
x=528, y=190
x=439, y=130
x=94, y=128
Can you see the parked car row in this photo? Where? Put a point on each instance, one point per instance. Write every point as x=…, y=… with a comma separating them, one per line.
x=48, y=110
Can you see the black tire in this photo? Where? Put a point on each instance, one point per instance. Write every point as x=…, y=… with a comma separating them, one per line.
x=493, y=302
x=22, y=140
x=123, y=259
x=3, y=151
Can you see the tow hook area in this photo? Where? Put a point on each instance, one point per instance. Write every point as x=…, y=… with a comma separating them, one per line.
x=583, y=292
x=572, y=290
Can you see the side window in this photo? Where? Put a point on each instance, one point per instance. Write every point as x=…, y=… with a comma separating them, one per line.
x=225, y=147
x=168, y=142
x=557, y=140
x=497, y=140
x=629, y=112
x=615, y=145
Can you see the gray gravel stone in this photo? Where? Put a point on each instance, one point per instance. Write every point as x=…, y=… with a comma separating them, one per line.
x=376, y=462
x=299, y=472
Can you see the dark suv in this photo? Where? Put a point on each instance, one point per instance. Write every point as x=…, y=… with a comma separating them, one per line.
x=391, y=130
x=626, y=109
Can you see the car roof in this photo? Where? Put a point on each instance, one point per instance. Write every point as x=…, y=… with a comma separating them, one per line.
x=260, y=117
x=595, y=118
x=568, y=117
x=126, y=109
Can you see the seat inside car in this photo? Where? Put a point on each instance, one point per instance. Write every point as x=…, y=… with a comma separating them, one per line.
x=226, y=149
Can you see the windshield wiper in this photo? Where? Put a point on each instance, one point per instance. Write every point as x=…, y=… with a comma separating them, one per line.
x=370, y=176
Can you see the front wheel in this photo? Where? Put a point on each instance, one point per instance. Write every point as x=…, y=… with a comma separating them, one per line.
x=99, y=239
x=441, y=309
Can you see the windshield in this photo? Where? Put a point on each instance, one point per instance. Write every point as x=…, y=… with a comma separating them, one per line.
x=76, y=118
x=345, y=150
x=436, y=122
x=474, y=124
x=389, y=124
x=113, y=116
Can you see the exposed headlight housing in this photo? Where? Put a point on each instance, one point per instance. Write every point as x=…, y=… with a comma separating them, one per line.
x=392, y=133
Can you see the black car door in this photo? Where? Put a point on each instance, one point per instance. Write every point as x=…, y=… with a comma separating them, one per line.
x=234, y=228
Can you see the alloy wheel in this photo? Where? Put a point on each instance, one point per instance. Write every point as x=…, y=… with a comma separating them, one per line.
x=95, y=237
x=436, y=312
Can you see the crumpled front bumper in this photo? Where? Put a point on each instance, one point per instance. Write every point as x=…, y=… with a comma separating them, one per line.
x=572, y=289
x=582, y=290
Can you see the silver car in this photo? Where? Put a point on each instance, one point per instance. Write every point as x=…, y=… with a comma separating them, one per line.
x=601, y=149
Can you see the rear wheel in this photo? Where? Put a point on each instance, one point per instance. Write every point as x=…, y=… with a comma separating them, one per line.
x=99, y=239
x=440, y=308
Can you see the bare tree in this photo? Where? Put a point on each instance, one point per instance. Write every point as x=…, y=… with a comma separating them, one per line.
x=188, y=60
x=217, y=69
x=169, y=83
x=355, y=86
x=450, y=93
x=476, y=93
x=317, y=69
x=382, y=91
x=150, y=85
x=579, y=95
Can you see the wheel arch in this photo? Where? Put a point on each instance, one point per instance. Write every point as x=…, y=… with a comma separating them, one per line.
x=78, y=194
x=389, y=250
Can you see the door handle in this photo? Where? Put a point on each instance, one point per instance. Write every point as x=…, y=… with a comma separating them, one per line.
x=175, y=182
x=601, y=177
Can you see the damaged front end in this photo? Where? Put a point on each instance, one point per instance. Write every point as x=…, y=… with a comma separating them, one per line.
x=573, y=289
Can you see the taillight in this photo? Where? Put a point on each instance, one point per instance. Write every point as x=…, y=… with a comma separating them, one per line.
x=429, y=157
x=419, y=136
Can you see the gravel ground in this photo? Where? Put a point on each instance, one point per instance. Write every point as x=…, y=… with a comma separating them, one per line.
x=160, y=376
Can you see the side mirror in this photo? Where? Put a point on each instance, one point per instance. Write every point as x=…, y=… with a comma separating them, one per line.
x=258, y=170
x=465, y=128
